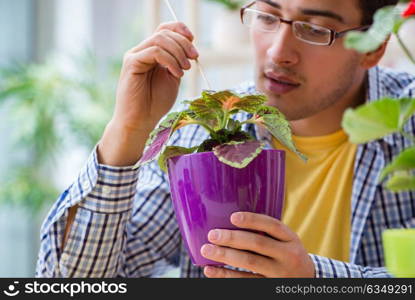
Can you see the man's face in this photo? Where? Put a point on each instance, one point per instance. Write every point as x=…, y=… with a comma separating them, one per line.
x=320, y=76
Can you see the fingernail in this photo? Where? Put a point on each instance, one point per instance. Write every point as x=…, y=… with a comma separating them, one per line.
x=188, y=31
x=214, y=235
x=208, y=250
x=194, y=52
x=237, y=218
x=187, y=64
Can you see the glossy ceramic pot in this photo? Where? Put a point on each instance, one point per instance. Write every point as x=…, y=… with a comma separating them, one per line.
x=205, y=192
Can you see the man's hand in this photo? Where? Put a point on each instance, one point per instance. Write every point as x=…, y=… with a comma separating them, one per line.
x=147, y=90
x=278, y=253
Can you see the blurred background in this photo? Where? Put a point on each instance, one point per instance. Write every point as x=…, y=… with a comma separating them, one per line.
x=59, y=67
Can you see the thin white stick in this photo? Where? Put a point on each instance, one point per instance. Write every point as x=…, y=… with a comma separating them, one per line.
x=197, y=61
x=171, y=10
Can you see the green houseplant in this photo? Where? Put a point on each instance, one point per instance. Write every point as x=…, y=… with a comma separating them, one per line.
x=386, y=116
x=383, y=117
x=213, y=111
x=229, y=171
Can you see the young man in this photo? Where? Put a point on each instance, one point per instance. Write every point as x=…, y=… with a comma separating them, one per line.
x=117, y=221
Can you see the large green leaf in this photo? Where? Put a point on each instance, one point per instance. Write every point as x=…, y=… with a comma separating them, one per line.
x=403, y=162
x=377, y=119
x=407, y=109
x=385, y=22
x=401, y=181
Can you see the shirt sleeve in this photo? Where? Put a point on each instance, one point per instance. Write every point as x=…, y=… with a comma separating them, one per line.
x=124, y=226
x=330, y=268
x=112, y=235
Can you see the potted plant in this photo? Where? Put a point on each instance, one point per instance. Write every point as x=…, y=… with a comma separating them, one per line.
x=230, y=171
x=227, y=30
x=381, y=118
x=386, y=116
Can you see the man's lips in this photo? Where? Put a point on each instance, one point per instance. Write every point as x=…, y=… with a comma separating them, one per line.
x=281, y=78
x=279, y=84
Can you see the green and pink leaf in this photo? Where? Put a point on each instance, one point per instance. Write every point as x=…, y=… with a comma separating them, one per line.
x=238, y=154
x=157, y=145
x=160, y=136
x=274, y=121
x=228, y=101
x=172, y=151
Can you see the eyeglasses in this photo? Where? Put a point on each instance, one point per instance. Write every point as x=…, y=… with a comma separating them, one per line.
x=304, y=31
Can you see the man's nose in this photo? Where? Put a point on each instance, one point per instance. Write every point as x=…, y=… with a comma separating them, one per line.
x=284, y=47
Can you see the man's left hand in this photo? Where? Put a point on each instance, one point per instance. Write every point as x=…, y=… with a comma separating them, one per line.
x=279, y=253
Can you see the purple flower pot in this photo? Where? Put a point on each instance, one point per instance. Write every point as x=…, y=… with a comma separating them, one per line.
x=205, y=192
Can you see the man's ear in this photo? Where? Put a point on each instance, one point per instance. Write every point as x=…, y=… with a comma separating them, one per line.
x=371, y=59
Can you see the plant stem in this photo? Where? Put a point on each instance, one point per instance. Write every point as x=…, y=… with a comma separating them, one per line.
x=224, y=120
x=250, y=121
x=210, y=130
x=405, y=49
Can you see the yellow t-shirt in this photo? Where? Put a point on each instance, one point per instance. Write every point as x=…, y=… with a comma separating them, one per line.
x=318, y=193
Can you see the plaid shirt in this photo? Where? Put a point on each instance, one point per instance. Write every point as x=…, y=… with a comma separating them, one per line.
x=125, y=224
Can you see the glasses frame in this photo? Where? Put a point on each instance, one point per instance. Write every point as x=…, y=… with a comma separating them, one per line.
x=334, y=35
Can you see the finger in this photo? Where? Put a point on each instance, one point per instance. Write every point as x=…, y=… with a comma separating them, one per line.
x=215, y=272
x=178, y=27
x=272, y=226
x=243, y=240
x=178, y=46
x=239, y=259
x=168, y=43
x=188, y=48
x=163, y=41
x=146, y=59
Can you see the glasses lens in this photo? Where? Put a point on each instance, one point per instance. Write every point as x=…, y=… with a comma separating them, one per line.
x=312, y=33
x=260, y=21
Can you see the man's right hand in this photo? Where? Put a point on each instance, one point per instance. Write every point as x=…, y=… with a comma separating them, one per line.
x=147, y=90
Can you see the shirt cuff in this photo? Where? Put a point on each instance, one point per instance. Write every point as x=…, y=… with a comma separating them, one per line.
x=111, y=189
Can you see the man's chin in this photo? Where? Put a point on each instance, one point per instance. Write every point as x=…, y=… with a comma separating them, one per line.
x=289, y=114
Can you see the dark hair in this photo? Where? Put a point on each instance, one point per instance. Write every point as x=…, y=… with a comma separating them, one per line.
x=369, y=7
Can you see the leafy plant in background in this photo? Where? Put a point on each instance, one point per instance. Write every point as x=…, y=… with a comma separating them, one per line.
x=230, y=4
x=47, y=110
x=386, y=116
x=230, y=144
